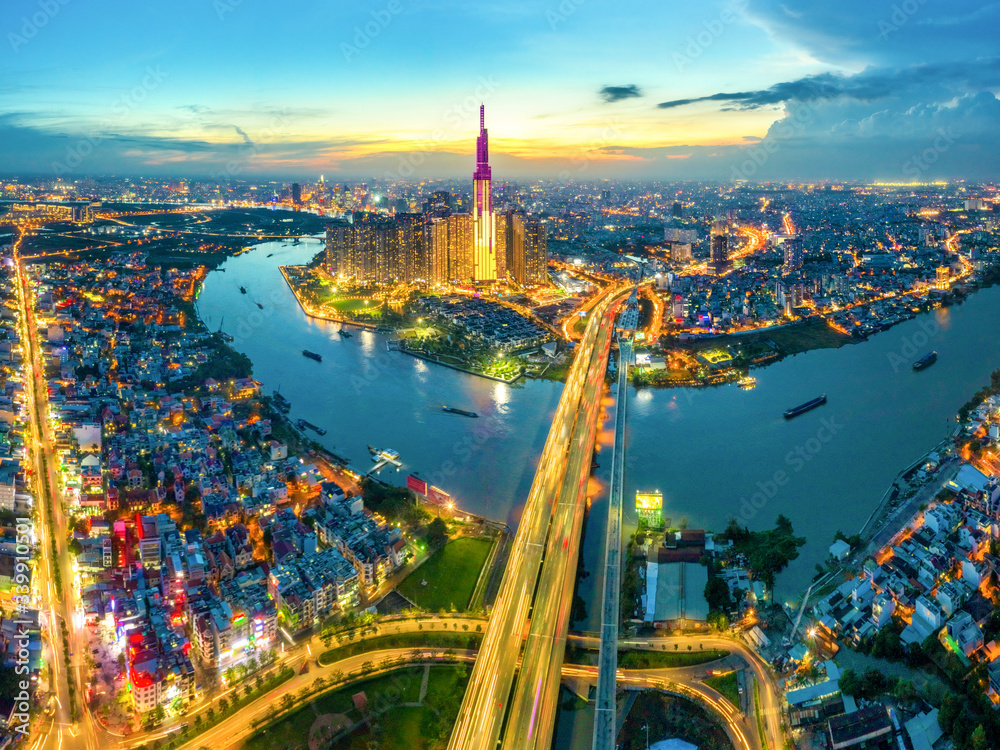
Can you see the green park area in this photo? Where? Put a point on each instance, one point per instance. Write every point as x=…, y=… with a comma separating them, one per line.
x=716, y=357
x=394, y=714
x=446, y=581
x=352, y=306
x=442, y=638
x=668, y=659
x=725, y=684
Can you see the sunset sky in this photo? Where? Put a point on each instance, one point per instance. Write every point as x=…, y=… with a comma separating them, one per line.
x=588, y=88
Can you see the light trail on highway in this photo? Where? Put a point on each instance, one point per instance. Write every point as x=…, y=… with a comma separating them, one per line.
x=481, y=716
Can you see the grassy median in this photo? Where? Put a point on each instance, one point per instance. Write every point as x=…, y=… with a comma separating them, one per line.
x=726, y=685
x=667, y=659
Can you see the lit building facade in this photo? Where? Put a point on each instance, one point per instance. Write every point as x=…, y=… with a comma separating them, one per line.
x=439, y=246
x=719, y=260
x=649, y=507
x=527, y=249
x=484, y=259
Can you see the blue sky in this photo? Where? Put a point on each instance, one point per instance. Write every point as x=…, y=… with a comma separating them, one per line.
x=578, y=88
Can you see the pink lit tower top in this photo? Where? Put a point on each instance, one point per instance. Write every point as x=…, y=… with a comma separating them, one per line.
x=482, y=149
x=484, y=261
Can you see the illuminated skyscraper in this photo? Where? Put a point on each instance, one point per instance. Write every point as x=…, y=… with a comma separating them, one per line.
x=503, y=232
x=793, y=255
x=719, y=249
x=436, y=243
x=528, y=250
x=376, y=248
x=484, y=261
x=461, y=255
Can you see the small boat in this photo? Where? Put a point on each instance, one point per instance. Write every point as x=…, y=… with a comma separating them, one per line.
x=345, y=334
x=243, y=290
x=303, y=424
x=312, y=355
x=747, y=383
x=281, y=403
x=463, y=412
x=803, y=408
x=269, y=255
x=925, y=361
x=259, y=305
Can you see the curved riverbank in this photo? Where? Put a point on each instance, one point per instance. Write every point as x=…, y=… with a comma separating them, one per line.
x=708, y=449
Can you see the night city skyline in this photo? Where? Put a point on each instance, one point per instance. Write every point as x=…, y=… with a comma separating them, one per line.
x=499, y=375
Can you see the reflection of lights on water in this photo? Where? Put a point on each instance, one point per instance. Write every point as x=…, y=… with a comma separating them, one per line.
x=644, y=395
x=368, y=340
x=501, y=394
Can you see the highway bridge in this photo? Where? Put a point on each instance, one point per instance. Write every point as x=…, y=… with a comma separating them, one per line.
x=606, y=712
x=549, y=530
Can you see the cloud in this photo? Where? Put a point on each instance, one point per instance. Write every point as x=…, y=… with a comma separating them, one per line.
x=856, y=33
x=612, y=94
x=867, y=86
x=246, y=139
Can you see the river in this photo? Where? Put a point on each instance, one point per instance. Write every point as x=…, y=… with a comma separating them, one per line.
x=708, y=450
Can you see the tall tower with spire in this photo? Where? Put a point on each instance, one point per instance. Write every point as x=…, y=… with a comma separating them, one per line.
x=484, y=260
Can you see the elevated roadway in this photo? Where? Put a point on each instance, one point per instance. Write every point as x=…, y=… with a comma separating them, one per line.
x=550, y=525
x=606, y=712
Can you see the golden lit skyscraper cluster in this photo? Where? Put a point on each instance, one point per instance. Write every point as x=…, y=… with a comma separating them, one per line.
x=438, y=246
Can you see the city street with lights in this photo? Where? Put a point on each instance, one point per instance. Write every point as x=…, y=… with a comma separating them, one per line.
x=71, y=724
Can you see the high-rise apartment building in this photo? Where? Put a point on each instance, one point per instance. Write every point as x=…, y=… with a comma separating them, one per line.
x=377, y=248
x=719, y=259
x=529, y=249
x=792, y=250
x=461, y=266
x=504, y=243
x=436, y=244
